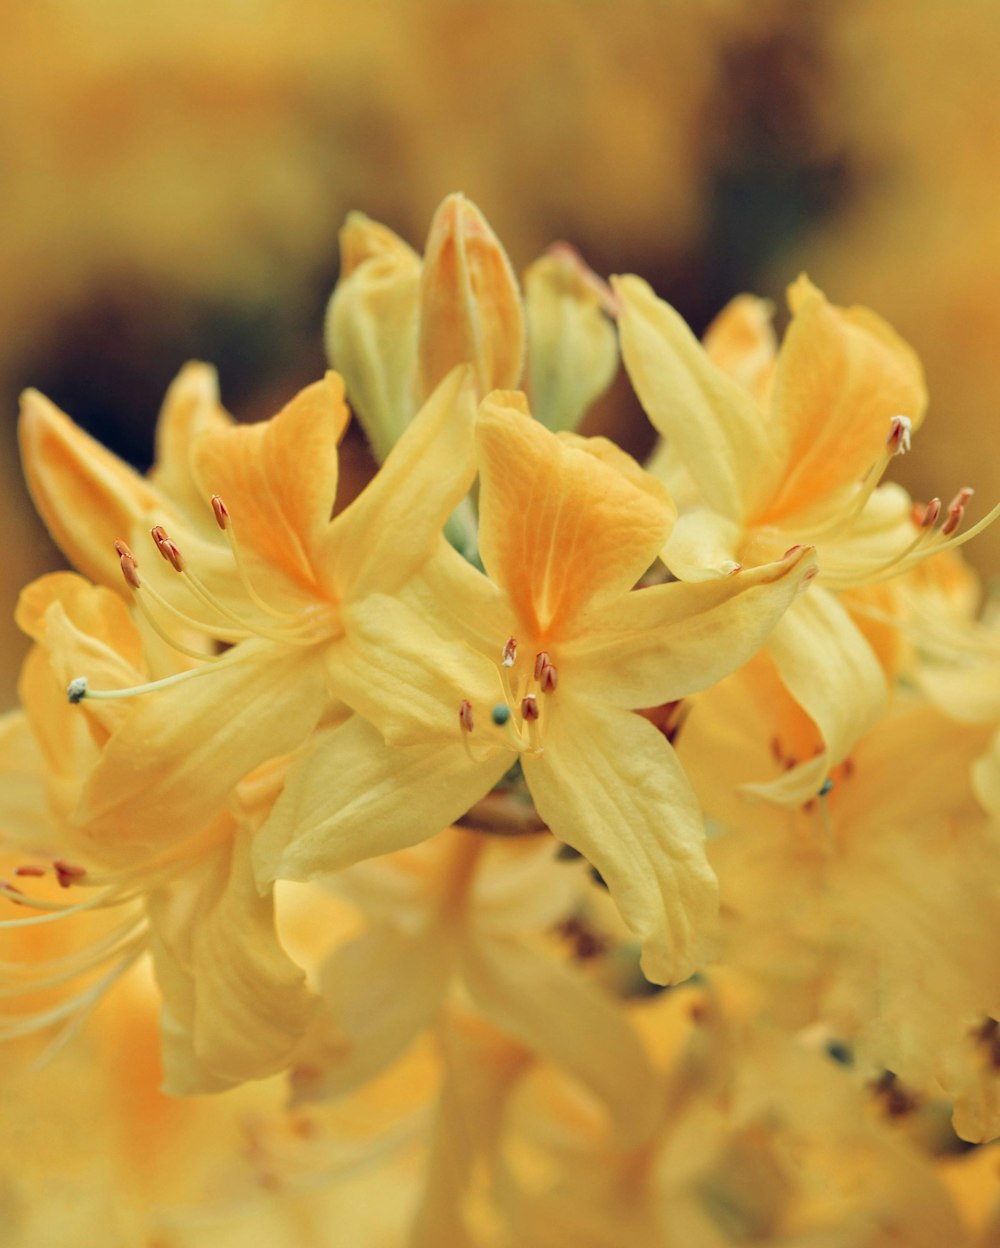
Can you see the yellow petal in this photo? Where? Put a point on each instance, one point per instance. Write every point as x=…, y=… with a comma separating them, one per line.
x=715, y=425
x=572, y=345
x=86, y=496
x=833, y=674
x=353, y=797
x=703, y=546
x=246, y=1003
x=609, y=785
x=741, y=341
x=170, y=766
x=24, y=816
x=191, y=408
x=279, y=478
x=470, y=306
x=559, y=526
x=371, y=329
x=565, y=1019
x=667, y=642
x=392, y=527
x=842, y=374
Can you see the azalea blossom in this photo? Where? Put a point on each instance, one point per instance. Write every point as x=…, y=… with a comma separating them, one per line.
x=542, y=663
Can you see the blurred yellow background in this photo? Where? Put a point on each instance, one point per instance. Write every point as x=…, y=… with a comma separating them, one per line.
x=172, y=178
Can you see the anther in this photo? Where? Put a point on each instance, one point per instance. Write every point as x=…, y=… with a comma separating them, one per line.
x=465, y=715
x=548, y=678
x=541, y=660
x=67, y=873
x=128, y=565
x=956, y=511
x=509, y=651
x=730, y=567
x=167, y=548
x=29, y=869
x=930, y=514
x=500, y=714
x=529, y=708
x=76, y=690
x=791, y=551
x=898, y=441
x=221, y=512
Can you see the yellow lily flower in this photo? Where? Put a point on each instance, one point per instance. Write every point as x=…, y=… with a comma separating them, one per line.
x=777, y=449
x=235, y=1006
x=275, y=583
x=544, y=664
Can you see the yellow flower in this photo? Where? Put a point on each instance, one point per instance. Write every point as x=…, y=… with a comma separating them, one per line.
x=544, y=664
x=274, y=584
x=235, y=1006
x=774, y=450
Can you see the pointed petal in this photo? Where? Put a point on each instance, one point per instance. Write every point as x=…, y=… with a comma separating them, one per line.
x=371, y=329
x=190, y=409
x=572, y=345
x=279, y=478
x=666, y=642
x=833, y=674
x=470, y=306
x=561, y=524
x=391, y=528
x=565, y=1019
x=703, y=546
x=249, y=1004
x=741, y=341
x=168, y=769
x=609, y=785
x=715, y=425
x=842, y=374
x=86, y=496
x=353, y=797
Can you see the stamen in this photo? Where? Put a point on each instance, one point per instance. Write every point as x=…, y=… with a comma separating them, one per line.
x=128, y=565
x=221, y=512
x=956, y=511
x=465, y=715
x=930, y=515
x=29, y=869
x=898, y=441
x=548, y=678
x=509, y=651
x=167, y=548
x=541, y=660
x=529, y=708
x=67, y=873
x=225, y=523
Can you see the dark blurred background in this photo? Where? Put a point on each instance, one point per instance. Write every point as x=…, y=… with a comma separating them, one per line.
x=172, y=179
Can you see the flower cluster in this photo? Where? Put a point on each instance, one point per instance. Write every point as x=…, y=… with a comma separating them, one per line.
x=537, y=732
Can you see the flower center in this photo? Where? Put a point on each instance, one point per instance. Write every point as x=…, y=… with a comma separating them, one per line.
x=517, y=723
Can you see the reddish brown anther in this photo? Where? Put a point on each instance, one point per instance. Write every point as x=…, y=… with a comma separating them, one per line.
x=898, y=441
x=529, y=707
x=67, y=873
x=509, y=651
x=548, y=678
x=29, y=869
x=128, y=564
x=465, y=715
x=791, y=551
x=930, y=514
x=167, y=548
x=541, y=660
x=221, y=512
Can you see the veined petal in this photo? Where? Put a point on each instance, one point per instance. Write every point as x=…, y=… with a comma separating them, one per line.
x=167, y=770
x=396, y=670
x=841, y=375
x=191, y=408
x=371, y=329
x=24, y=816
x=470, y=306
x=715, y=425
x=667, y=642
x=353, y=797
x=609, y=785
x=279, y=478
x=249, y=1005
x=86, y=496
x=834, y=675
x=572, y=345
x=565, y=1019
x=559, y=525
x=391, y=528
